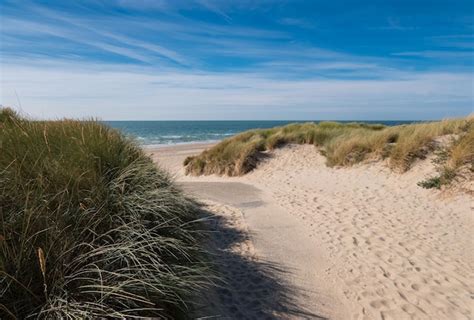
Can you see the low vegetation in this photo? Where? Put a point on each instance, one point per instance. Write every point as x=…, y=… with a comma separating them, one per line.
x=342, y=144
x=90, y=228
x=455, y=159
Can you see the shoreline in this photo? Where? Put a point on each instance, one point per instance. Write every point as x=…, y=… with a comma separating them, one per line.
x=152, y=147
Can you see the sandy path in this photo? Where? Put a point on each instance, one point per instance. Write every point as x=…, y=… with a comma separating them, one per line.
x=261, y=251
x=376, y=245
x=280, y=243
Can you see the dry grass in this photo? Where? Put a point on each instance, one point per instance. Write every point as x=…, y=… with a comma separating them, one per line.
x=462, y=152
x=342, y=144
x=90, y=228
x=453, y=161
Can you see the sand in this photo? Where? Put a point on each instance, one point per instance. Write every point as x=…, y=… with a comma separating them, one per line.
x=347, y=243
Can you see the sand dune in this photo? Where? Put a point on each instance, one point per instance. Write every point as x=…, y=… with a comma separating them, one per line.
x=399, y=251
x=379, y=245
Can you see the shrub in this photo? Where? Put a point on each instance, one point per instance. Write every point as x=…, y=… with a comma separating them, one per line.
x=445, y=178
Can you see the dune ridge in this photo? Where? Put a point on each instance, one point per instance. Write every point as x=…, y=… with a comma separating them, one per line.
x=346, y=144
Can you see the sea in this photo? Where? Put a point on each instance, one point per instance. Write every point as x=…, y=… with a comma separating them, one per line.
x=165, y=133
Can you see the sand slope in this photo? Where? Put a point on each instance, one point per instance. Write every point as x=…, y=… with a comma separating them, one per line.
x=382, y=247
x=400, y=251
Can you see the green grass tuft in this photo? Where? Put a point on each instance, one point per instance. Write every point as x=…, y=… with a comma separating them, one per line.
x=89, y=227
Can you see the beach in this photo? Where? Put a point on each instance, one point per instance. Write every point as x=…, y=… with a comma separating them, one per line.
x=247, y=160
x=307, y=241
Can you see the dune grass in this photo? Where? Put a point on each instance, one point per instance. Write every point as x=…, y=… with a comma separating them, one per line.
x=462, y=151
x=456, y=159
x=90, y=228
x=342, y=144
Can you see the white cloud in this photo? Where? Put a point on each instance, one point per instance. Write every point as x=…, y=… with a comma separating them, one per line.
x=279, y=77
x=214, y=7
x=51, y=90
x=145, y=4
x=437, y=54
x=298, y=22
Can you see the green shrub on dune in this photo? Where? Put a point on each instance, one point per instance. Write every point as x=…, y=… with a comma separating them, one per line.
x=89, y=227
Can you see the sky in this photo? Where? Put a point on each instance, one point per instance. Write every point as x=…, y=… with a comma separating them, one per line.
x=238, y=60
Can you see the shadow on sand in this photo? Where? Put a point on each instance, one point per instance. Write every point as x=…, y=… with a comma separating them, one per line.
x=249, y=288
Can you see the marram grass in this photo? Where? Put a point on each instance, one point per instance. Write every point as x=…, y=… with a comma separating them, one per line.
x=90, y=228
x=342, y=144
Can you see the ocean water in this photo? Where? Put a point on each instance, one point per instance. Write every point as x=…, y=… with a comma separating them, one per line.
x=161, y=133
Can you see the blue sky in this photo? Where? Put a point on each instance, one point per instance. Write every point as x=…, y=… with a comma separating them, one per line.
x=209, y=59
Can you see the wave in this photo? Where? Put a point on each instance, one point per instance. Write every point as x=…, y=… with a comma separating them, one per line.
x=163, y=145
